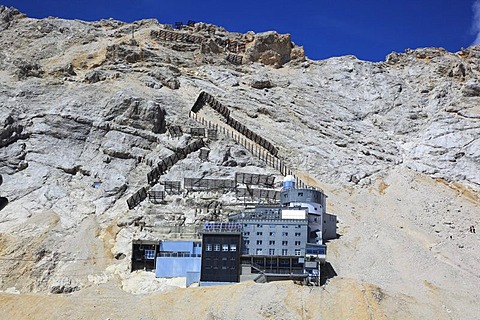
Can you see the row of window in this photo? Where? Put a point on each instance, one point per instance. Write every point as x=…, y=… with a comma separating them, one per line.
x=272, y=242
x=273, y=252
x=285, y=226
x=149, y=254
x=272, y=234
x=223, y=264
x=216, y=268
x=225, y=247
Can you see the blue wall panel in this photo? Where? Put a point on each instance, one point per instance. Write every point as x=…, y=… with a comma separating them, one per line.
x=168, y=267
x=177, y=246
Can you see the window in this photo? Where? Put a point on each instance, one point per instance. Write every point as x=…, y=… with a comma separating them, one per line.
x=285, y=226
x=259, y=251
x=298, y=252
x=208, y=247
x=284, y=234
x=297, y=234
x=259, y=242
x=245, y=225
x=224, y=247
x=259, y=233
x=271, y=252
x=233, y=247
x=272, y=234
x=216, y=247
x=271, y=242
x=284, y=243
x=247, y=241
x=150, y=254
x=247, y=233
x=300, y=194
x=272, y=226
x=297, y=243
x=259, y=225
x=298, y=226
x=284, y=252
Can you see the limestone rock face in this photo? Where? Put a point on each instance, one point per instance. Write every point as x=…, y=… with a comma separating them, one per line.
x=271, y=48
x=9, y=14
x=88, y=109
x=135, y=112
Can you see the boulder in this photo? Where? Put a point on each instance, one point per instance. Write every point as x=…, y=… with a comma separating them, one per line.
x=28, y=69
x=261, y=82
x=471, y=89
x=95, y=76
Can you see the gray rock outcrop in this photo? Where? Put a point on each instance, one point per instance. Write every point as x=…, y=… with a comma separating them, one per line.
x=88, y=109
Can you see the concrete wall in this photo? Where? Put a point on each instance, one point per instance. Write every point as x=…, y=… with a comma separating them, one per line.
x=215, y=283
x=315, y=226
x=168, y=267
x=192, y=277
x=303, y=196
x=329, y=226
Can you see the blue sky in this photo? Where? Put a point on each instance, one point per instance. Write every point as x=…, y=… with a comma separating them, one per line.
x=368, y=29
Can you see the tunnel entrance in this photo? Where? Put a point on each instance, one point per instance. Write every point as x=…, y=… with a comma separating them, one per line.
x=3, y=202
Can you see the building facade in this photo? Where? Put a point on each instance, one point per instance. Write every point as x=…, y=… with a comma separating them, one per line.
x=279, y=242
x=221, y=252
x=178, y=258
x=273, y=239
x=144, y=253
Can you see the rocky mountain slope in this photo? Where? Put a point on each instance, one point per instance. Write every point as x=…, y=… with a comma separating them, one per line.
x=85, y=108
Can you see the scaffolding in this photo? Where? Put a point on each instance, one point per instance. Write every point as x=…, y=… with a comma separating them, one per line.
x=258, y=195
x=175, y=131
x=197, y=132
x=168, y=162
x=172, y=187
x=203, y=184
x=254, y=179
x=136, y=198
x=156, y=197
